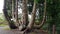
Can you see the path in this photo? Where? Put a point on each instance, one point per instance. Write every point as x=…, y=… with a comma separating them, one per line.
x=2, y=31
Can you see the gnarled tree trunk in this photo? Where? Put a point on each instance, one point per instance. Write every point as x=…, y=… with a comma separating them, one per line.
x=16, y=12
x=44, y=18
x=24, y=15
x=33, y=16
x=8, y=18
x=24, y=12
x=31, y=23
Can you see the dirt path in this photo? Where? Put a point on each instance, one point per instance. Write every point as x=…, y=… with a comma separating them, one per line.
x=9, y=32
x=2, y=31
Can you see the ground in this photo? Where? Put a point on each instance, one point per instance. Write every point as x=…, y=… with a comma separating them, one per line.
x=3, y=30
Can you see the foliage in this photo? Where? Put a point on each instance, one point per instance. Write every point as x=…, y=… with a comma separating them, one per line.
x=36, y=1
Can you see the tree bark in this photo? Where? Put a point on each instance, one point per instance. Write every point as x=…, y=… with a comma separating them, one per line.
x=11, y=24
x=30, y=25
x=16, y=13
x=44, y=18
x=24, y=12
x=53, y=29
x=24, y=15
x=12, y=9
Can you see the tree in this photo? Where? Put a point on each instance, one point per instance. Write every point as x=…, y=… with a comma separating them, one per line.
x=16, y=13
x=44, y=17
x=33, y=15
x=12, y=9
x=31, y=23
x=7, y=14
x=24, y=12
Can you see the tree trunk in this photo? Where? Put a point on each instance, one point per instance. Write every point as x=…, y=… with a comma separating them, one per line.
x=31, y=23
x=13, y=9
x=11, y=24
x=33, y=16
x=53, y=29
x=24, y=13
x=44, y=18
x=16, y=13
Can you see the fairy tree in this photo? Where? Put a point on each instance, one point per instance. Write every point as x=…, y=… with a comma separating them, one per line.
x=7, y=12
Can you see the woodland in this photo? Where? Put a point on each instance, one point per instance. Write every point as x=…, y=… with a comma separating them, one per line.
x=44, y=15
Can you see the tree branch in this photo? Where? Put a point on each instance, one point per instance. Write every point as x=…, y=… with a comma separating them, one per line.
x=44, y=18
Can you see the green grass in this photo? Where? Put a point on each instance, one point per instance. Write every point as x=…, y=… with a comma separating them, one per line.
x=7, y=28
x=3, y=25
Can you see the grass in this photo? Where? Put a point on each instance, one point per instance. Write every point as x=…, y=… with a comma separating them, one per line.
x=5, y=27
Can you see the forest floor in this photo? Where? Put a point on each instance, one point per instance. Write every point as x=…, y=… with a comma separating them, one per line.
x=3, y=30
